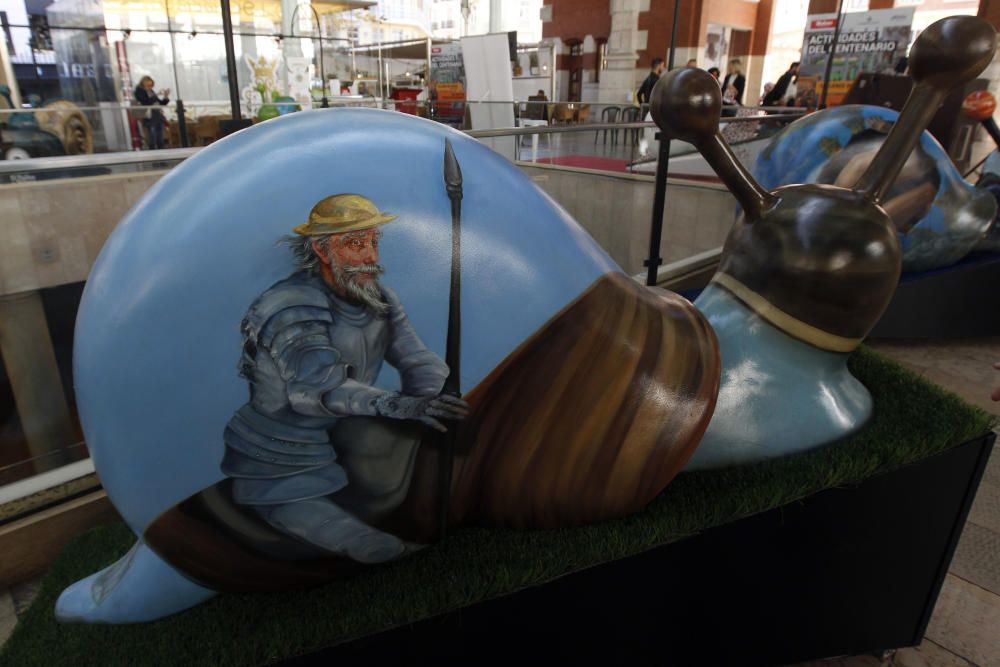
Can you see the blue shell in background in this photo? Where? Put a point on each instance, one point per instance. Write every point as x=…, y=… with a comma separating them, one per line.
x=938, y=215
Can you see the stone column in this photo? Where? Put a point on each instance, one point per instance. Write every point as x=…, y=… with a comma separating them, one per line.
x=496, y=16
x=290, y=48
x=618, y=82
x=31, y=367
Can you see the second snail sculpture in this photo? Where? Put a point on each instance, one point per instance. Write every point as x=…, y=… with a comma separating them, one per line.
x=808, y=269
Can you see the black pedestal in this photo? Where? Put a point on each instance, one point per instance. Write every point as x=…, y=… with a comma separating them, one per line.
x=846, y=571
x=960, y=301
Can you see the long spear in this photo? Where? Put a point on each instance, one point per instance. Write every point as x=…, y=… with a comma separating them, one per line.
x=453, y=346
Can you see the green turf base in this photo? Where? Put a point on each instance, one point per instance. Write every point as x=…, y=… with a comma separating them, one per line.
x=913, y=420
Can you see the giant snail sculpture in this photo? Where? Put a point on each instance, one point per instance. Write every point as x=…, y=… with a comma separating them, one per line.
x=583, y=394
x=65, y=120
x=60, y=120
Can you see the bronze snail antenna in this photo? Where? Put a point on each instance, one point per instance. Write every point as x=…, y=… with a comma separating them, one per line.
x=685, y=105
x=949, y=53
x=821, y=262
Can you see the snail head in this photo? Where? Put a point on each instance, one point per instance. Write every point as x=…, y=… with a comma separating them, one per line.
x=821, y=262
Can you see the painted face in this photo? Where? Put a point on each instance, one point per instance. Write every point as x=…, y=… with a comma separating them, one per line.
x=355, y=249
x=351, y=263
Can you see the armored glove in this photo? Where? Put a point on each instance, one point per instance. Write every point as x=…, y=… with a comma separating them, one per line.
x=422, y=408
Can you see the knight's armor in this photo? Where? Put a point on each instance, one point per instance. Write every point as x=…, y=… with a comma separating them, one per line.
x=311, y=358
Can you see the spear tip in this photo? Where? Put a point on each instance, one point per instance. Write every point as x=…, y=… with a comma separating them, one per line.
x=452, y=171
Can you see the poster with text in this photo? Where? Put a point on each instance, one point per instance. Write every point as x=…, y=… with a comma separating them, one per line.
x=447, y=83
x=872, y=41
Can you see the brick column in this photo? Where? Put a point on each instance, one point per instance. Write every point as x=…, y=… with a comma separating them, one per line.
x=990, y=10
x=758, y=52
x=822, y=6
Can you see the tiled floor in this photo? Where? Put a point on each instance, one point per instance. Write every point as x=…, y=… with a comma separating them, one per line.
x=965, y=628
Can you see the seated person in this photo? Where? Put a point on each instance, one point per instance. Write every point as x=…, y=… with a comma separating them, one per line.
x=538, y=110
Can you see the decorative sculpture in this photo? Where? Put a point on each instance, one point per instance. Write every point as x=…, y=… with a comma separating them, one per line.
x=586, y=393
x=938, y=215
x=262, y=97
x=56, y=128
x=299, y=79
x=319, y=453
x=808, y=269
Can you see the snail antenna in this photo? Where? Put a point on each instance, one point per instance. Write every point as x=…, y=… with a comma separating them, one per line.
x=947, y=54
x=686, y=104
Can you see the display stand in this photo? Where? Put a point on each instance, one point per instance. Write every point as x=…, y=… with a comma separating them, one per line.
x=958, y=301
x=843, y=572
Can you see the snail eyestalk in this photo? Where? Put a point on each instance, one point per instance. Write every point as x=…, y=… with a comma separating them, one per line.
x=947, y=54
x=686, y=104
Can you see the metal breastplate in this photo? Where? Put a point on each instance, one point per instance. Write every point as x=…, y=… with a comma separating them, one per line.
x=361, y=338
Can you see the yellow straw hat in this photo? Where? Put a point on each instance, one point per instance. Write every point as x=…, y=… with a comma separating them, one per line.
x=342, y=213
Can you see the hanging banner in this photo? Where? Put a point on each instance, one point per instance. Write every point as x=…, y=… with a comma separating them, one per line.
x=872, y=41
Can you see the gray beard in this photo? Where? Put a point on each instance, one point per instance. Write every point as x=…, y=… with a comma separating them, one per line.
x=368, y=293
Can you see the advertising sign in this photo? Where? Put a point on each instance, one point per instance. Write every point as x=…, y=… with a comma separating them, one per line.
x=872, y=41
x=446, y=63
x=447, y=82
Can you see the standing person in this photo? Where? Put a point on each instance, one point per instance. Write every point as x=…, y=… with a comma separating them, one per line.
x=154, y=121
x=732, y=86
x=779, y=94
x=645, y=90
x=714, y=71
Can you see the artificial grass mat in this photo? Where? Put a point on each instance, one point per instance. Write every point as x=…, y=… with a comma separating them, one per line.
x=913, y=420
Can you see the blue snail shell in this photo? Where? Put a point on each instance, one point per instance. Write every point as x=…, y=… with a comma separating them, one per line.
x=158, y=339
x=943, y=229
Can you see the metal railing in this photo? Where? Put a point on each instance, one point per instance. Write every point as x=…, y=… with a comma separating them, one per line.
x=14, y=170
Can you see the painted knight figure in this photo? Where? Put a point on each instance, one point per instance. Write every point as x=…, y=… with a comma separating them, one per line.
x=313, y=346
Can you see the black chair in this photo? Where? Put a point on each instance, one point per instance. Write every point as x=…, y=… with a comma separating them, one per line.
x=631, y=115
x=608, y=115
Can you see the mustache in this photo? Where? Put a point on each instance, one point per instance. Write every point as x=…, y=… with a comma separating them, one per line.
x=370, y=269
